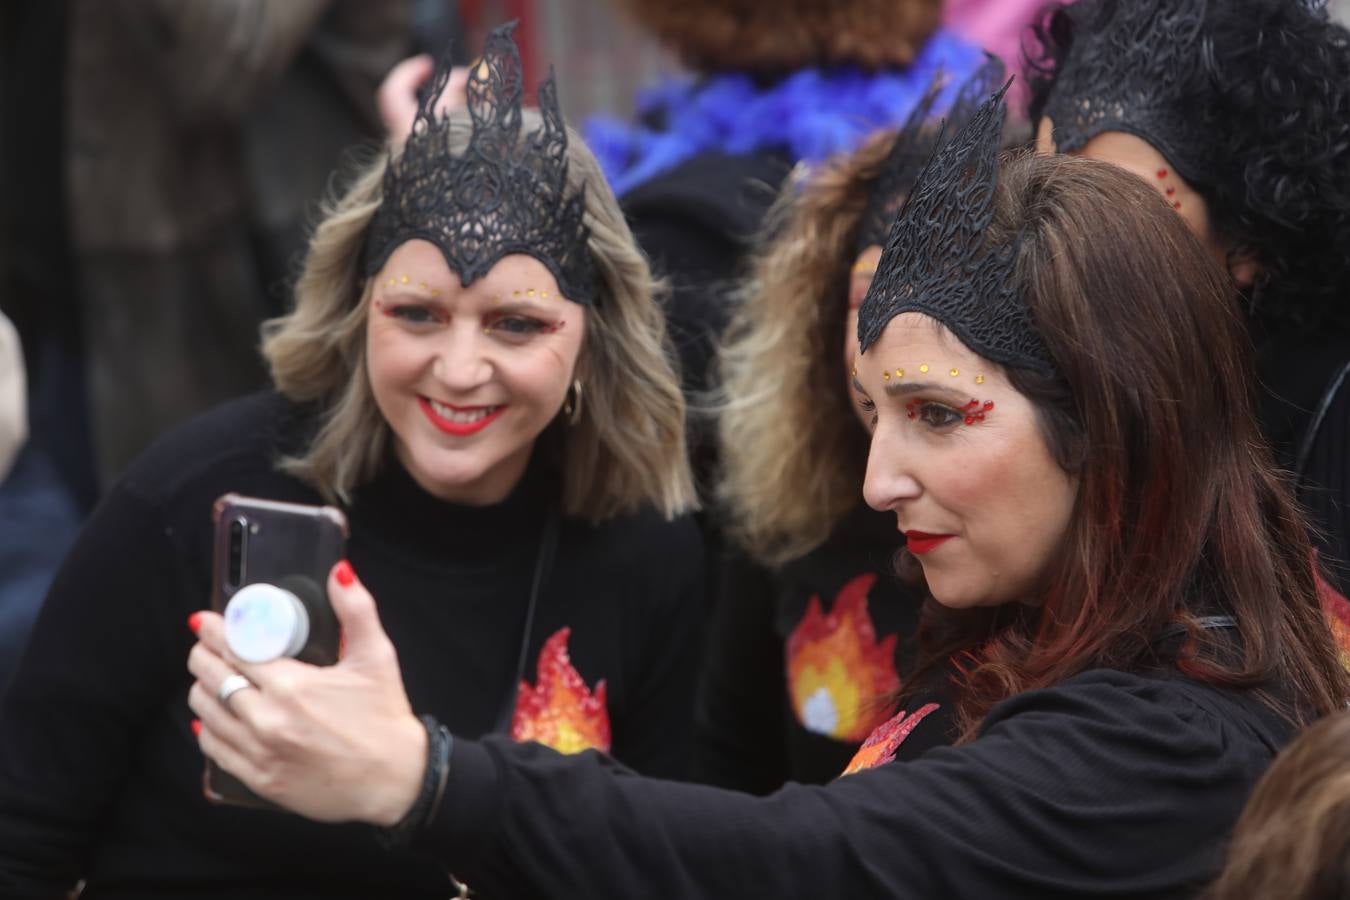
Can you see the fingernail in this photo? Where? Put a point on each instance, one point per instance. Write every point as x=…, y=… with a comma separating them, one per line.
x=197, y=727
x=345, y=575
x=195, y=621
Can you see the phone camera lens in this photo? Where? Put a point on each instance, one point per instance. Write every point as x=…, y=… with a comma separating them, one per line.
x=238, y=533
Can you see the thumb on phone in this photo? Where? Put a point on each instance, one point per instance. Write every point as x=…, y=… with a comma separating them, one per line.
x=363, y=637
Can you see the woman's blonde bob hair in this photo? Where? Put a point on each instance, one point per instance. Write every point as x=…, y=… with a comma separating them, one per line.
x=628, y=447
x=793, y=452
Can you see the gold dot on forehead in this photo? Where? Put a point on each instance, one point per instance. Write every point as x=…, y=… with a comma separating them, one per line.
x=422, y=285
x=530, y=292
x=515, y=293
x=899, y=373
x=885, y=376
x=855, y=371
x=403, y=280
x=392, y=282
x=979, y=379
x=954, y=372
x=435, y=293
x=544, y=294
x=924, y=368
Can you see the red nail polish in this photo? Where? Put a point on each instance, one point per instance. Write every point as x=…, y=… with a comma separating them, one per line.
x=195, y=622
x=197, y=727
x=345, y=576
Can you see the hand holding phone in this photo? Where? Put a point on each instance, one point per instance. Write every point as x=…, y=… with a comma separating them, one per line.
x=273, y=558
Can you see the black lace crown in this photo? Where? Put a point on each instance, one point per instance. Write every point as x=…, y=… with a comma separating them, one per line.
x=502, y=195
x=937, y=261
x=1134, y=67
x=913, y=147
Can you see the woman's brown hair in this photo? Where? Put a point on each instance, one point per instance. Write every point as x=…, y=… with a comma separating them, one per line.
x=1293, y=838
x=769, y=38
x=1180, y=512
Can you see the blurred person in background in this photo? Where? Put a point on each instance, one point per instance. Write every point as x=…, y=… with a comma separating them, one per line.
x=199, y=136
x=1238, y=114
x=816, y=635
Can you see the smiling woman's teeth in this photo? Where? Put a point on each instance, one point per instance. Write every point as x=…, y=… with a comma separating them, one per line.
x=459, y=417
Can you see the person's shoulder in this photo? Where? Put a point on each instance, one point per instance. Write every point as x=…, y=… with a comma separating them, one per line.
x=1165, y=706
x=234, y=445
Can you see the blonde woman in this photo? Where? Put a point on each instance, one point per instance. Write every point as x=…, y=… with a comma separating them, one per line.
x=813, y=637
x=508, y=419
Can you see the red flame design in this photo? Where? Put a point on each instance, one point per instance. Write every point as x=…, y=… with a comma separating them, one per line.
x=560, y=711
x=881, y=747
x=838, y=672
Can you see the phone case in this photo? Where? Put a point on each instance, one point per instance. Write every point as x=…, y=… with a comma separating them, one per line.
x=294, y=547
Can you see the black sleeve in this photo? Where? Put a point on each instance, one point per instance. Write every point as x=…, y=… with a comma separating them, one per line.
x=738, y=728
x=108, y=648
x=1084, y=790
x=656, y=731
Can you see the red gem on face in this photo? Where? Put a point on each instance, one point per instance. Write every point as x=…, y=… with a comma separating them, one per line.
x=989, y=404
x=1162, y=173
x=1177, y=205
x=970, y=420
x=1170, y=191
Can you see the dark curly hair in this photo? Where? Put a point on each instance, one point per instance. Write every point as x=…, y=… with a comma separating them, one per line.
x=1274, y=87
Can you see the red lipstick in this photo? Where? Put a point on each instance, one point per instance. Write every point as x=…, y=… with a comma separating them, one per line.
x=921, y=542
x=459, y=429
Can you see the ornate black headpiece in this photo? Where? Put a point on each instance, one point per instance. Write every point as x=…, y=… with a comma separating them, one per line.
x=502, y=195
x=914, y=145
x=1132, y=67
x=937, y=260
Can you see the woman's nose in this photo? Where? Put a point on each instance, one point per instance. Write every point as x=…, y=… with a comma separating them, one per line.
x=890, y=478
x=462, y=360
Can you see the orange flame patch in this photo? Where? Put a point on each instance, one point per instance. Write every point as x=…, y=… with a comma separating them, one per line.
x=1337, y=610
x=837, y=669
x=560, y=711
x=881, y=746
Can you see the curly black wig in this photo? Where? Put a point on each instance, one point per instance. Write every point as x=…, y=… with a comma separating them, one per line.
x=1272, y=88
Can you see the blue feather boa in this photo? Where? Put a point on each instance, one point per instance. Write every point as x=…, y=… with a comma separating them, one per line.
x=810, y=115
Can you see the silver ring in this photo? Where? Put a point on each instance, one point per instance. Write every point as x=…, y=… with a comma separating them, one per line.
x=232, y=685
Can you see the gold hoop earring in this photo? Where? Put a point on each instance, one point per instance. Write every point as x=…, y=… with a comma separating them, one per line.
x=572, y=404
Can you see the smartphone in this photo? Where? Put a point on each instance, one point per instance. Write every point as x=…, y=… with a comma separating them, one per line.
x=293, y=546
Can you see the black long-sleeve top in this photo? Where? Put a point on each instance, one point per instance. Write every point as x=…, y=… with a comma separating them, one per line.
x=1109, y=785
x=100, y=775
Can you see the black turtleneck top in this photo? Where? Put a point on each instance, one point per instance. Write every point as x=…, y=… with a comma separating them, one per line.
x=100, y=776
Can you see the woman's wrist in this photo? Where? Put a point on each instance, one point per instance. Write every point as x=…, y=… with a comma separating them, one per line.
x=406, y=770
x=426, y=792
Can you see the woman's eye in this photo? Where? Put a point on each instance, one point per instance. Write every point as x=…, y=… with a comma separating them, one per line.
x=937, y=415
x=412, y=314
x=869, y=409
x=518, y=326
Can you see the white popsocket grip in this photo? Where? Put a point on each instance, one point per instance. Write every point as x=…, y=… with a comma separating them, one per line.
x=264, y=622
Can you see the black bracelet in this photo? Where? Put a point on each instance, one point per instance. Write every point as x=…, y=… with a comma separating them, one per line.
x=428, y=802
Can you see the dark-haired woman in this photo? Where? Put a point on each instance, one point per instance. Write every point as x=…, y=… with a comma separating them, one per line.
x=1142, y=635
x=1238, y=114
